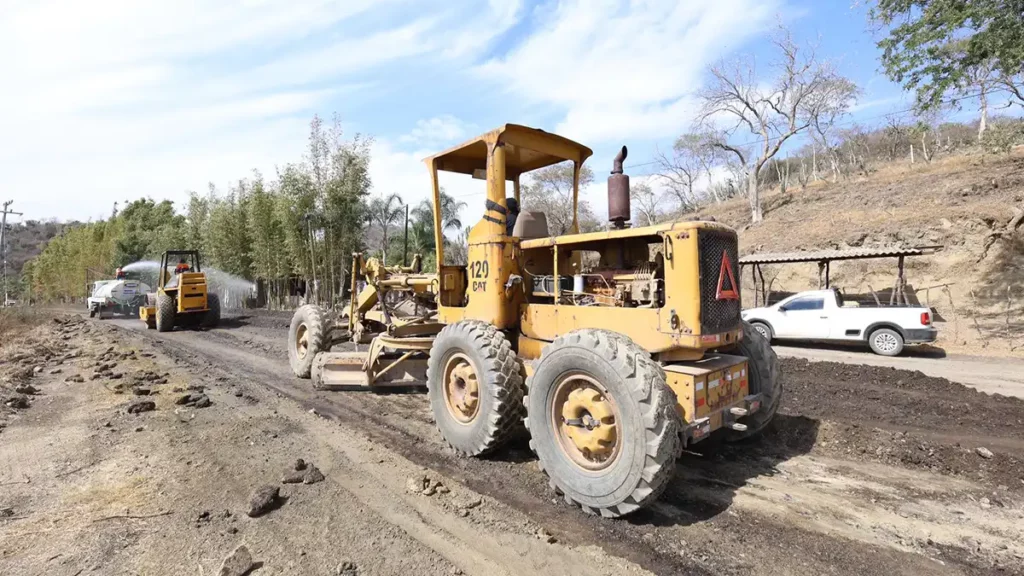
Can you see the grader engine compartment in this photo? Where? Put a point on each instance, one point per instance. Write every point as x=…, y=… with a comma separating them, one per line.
x=627, y=273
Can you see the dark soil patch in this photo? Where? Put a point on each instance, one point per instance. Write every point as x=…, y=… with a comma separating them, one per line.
x=903, y=418
x=887, y=396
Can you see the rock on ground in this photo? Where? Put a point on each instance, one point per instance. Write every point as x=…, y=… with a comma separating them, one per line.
x=238, y=563
x=140, y=406
x=313, y=475
x=263, y=500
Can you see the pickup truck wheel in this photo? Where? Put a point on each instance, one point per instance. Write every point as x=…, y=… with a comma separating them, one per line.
x=886, y=342
x=763, y=329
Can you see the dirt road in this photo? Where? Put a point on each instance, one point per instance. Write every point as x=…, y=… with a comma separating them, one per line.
x=867, y=471
x=993, y=375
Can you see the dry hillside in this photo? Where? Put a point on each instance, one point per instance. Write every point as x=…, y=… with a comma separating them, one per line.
x=963, y=203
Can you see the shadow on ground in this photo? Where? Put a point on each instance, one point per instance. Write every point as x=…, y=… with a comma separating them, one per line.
x=708, y=477
x=915, y=351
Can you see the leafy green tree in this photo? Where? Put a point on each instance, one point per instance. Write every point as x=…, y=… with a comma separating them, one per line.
x=267, y=233
x=934, y=46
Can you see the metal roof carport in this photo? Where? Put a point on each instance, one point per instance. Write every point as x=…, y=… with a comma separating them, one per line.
x=824, y=258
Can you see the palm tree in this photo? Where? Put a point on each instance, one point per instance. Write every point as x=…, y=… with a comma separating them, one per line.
x=384, y=211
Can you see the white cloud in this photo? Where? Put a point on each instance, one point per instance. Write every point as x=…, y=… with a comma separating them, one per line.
x=439, y=131
x=116, y=99
x=625, y=67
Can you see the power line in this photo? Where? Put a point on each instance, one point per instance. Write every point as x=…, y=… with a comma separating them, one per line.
x=851, y=122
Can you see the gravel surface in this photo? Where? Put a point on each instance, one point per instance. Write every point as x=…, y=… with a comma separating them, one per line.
x=866, y=471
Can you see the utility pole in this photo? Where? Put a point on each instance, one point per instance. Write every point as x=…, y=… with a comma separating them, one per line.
x=3, y=241
x=405, y=243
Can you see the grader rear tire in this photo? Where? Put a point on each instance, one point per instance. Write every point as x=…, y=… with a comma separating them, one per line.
x=603, y=422
x=164, y=312
x=765, y=377
x=308, y=335
x=475, y=387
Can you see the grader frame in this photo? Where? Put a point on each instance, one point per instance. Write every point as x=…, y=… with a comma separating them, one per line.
x=613, y=366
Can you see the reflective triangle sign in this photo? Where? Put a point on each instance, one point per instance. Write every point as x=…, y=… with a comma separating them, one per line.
x=727, y=288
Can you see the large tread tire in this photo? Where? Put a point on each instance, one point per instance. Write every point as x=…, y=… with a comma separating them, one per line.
x=314, y=320
x=164, y=312
x=764, y=377
x=212, y=317
x=892, y=344
x=500, y=383
x=649, y=423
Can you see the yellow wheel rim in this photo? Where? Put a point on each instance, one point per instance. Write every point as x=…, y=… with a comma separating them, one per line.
x=461, y=388
x=302, y=341
x=586, y=420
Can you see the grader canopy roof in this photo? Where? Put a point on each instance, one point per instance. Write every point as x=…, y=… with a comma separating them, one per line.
x=526, y=149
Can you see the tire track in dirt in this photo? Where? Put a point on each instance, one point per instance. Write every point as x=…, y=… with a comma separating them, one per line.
x=725, y=513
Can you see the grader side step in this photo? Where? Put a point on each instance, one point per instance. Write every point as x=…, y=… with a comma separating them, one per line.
x=347, y=370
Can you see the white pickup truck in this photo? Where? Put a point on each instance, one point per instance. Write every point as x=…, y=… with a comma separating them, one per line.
x=822, y=315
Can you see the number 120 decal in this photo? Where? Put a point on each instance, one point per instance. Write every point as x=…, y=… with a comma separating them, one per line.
x=479, y=269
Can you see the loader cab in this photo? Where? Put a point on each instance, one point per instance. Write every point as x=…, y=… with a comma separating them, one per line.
x=175, y=262
x=485, y=288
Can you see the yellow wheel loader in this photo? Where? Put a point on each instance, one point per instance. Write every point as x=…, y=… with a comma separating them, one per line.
x=616, y=348
x=182, y=296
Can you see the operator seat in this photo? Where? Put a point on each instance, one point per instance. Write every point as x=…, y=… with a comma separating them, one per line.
x=530, y=225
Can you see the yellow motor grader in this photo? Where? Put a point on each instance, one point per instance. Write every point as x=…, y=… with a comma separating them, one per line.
x=616, y=348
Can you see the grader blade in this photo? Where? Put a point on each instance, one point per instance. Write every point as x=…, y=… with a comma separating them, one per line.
x=347, y=370
x=340, y=370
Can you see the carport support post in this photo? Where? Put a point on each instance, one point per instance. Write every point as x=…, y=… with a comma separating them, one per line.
x=753, y=276
x=901, y=282
x=828, y=264
x=765, y=293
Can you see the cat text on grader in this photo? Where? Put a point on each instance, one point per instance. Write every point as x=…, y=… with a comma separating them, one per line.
x=615, y=348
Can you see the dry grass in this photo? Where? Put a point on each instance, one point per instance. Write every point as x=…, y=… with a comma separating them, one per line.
x=16, y=321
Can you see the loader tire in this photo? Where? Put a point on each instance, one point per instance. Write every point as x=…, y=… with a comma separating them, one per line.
x=212, y=316
x=475, y=387
x=627, y=390
x=765, y=377
x=164, y=312
x=308, y=335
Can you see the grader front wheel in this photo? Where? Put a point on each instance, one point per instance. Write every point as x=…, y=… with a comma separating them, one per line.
x=475, y=387
x=602, y=422
x=308, y=335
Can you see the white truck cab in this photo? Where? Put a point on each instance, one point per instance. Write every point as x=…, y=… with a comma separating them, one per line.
x=823, y=315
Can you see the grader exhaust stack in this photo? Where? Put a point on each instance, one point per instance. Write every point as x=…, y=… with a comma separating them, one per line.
x=618, y=192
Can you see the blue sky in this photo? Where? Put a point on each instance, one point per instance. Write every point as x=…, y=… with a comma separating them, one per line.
x=117, y=99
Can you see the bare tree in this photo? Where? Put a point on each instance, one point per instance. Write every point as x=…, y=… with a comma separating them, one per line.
x=693, y=157
x=1011, y=85
x=896, y=133
x=774, y=113
x=835, y=98
x=647, y=204
x=550, y=191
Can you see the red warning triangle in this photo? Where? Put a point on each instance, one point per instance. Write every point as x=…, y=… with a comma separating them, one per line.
x=727, y=288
